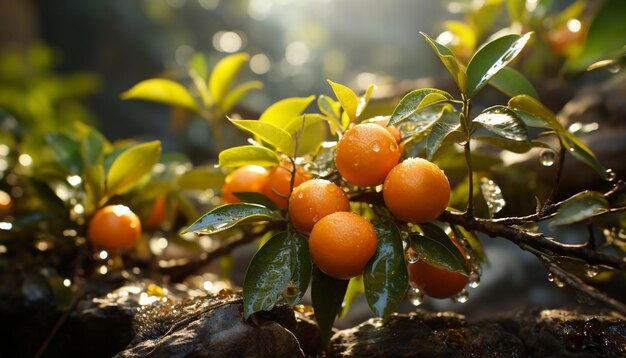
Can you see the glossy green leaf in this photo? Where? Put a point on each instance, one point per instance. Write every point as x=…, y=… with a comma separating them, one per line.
x=580, y=151
x=285, y=110
x=282, y=259
x=130, y=166
x=417, y=100
x=229, y=215
x=436, y=249
x=66, y=151
x=348, y=99
x=248, y=155
x=507, y=144
x=450, y=62
x=162, y=91
x=386, y=277
x=270, y=133
x=512, y=83
x=328, y=106
x=491, y=58
x=309, y=131
x=327, y=295
x=580, y=207
x=223, y=75
x=234, y=96
x=92, y=147
x=250, y=197
x=364, y=100
x=503, y=122
x=473, y=241
x=354, y=290
x=448, y=123
x=201, y=178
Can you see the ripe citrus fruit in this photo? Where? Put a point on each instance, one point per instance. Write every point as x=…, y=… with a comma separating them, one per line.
x=365, y=154
x=279, y=180
x=393, y=130
x=250, y=178
x=416, y=191
x=114, y=227
x=341, y=243
x=436, y=282
x=314, y=199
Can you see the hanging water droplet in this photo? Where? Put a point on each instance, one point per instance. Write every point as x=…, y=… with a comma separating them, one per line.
x=610, y=174
x=591, y=270
x=461, y=297
x=412, y=256
x=547, y=157
x=290, y=293
x=550, y=277
x=493, y=195
x=474, y=281
x=415, y=296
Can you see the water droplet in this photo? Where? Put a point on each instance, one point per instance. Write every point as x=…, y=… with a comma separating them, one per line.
x=376, y=147
x=224, y=293
x=550, y=277
x=474, y=280
x=557, y=281
x=493, y=195
x=591, y=270
x=461, y=297
x=412, y=257
x=547, y=157
x=290, y=293
x=611, y=175
x=300, y=195
x=306, y=309
x=415, y=296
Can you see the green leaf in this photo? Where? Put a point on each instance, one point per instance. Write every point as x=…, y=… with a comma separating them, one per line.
x=364, y=100
x=512, y=83
x=93, y=182
x=327, y=295
x=503, y=122
x=354, y=290
x=416, y=100
x=270, y=133
x=227, y=216
x=92, y=147
x=386, y=277
x=251, y=197
x=199, y=66
x=348, y=99
x=162, y=91
x=448, y=123
x=248, y=155
x=580, y=151
x=436, y=249
x=201, y=178
x=450, y=62
x=130, y=166
x=580, y=207
x=507, y=144
x=309, y=130
x=66, y=151
x=223, y=75
x=283, y=111
x=237, y=94
x=491, y=58
x=330, y=109
x=283, y=258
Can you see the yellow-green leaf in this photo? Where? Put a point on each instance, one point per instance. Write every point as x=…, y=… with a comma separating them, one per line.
x=309, y=130
x=248, y=155
x=130, y=166
x=273, y=135
x=348, y=99
x=450, y=62
x=237, y=94
x=224, y=73
x=162, y=91
x=283, y=111
x=364, y=100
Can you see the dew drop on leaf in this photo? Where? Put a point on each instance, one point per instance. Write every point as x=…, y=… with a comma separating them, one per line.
x=415, y=296
x=591, y=270
x=412, y=257
x=474, y=280
x=461, y=297
x=290, y=293
x=547, y=157
x=611, y=175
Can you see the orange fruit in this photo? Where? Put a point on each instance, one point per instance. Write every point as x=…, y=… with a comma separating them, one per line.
x=277, y=186
x=157, y=214
x=416, y=191
x=114, y=227
x=250, y=178
x=393, y=130
x=436, y=282
x=341, y=243
x=365, y=154
x=314, y=199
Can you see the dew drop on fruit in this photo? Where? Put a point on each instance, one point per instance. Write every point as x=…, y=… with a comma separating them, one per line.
x=461, y=297
x=610, y=174
x=547, y=157
x=591, y=270
x=290, y=293
x=376, y=147
x=474, y=280
x=415, y=296
x=412, y=257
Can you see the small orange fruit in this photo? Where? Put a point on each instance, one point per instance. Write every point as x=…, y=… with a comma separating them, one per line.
x=278, y=183
x=365, y=154
x=157, y=214
x=250, y=178
x=436, y=282
x=114, y=227
x=393, y=130
x=416, y=191
x=341, y=243
x=314, y=199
